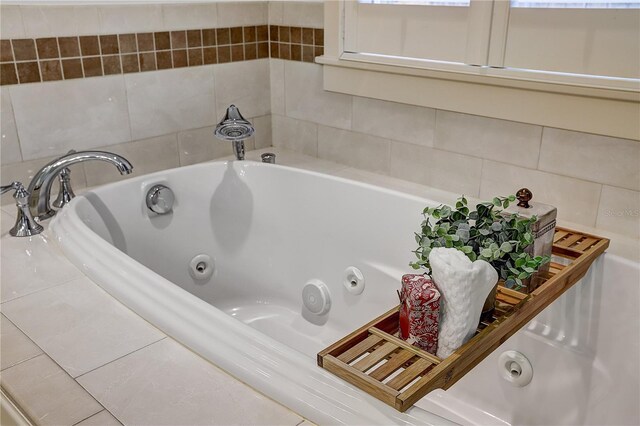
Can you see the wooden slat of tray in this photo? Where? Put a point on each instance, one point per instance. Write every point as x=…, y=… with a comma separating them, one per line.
x=359, y=349
x=569, y=240
x=375, y=357
x=411, y=373
x=394, y=363
x=428, y=372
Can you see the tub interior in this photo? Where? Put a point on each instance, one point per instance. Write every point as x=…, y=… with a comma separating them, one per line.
x=268, y=235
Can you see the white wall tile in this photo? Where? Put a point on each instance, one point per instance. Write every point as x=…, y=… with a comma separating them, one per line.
x=162, y=383
x=146, y=156
x=440, y=169
x=276, y=12
x=354, y=149
x=11, y=25
x=188, y=16
x=47, y=394
x=276, y=76
x=235, y=14
x=576, y=200
x=262, y=136
x=307, y=100
x=55, y=21
x=591, y=157
x=79, y=325
x=55, y=117
x=103, y=418
x=10, y=148
x=15, y=346
x=163, y=102
x=619, y=211
x=198, y=145
x=130, y=18
x=406, y=123
x=296, y=135
x=303, y=14
x=244, y=84
x=499, y=140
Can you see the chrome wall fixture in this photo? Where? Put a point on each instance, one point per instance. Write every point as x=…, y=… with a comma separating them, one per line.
x=235, y=128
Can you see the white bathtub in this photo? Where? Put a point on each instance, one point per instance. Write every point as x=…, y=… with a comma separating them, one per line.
x=269, y=230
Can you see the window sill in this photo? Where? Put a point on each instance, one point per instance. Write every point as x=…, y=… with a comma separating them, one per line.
x=581, y=103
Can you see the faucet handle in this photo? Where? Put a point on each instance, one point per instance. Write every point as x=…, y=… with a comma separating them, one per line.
x=25, y=225
x=65, y=194
x=13, y=185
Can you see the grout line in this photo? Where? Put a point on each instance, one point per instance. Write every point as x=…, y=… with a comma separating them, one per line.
x=482, y=166
x=88, y=417
x=46, y=288
x=540, y=147
x=598, y=207
x=119, y=358
x=13, y=116
x=26, y=359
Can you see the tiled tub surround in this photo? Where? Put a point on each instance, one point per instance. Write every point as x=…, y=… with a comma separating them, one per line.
x=57, y=58
x=593, y=180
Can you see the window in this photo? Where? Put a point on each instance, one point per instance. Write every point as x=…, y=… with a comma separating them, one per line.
x=556, y=38
x=560, y=63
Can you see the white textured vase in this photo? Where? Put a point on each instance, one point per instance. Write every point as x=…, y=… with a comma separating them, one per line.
x=464, y=286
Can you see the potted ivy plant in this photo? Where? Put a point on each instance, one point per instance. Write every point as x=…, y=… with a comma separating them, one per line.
x=487, y=233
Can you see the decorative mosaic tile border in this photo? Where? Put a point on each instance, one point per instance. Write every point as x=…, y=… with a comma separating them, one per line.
x=64, y=58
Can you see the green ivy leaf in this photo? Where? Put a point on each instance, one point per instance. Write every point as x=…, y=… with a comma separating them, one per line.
x=506, y=247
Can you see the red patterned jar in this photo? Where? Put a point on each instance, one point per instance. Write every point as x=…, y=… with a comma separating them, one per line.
x=419, y=310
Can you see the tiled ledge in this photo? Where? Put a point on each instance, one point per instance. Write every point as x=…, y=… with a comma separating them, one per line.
x=64, y=58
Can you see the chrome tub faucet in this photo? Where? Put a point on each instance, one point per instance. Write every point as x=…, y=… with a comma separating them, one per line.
x=40, y=186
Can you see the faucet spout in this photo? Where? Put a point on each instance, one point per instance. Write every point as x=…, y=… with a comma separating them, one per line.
x=40, y=186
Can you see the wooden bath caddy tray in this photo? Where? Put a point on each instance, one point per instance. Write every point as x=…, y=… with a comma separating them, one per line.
x=374, y=359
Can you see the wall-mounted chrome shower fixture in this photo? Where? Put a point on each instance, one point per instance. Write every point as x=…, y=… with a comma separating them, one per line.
x=235, y=128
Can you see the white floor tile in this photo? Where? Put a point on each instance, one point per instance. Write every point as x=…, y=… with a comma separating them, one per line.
x=166, y=384
x=30, y=264
x=47, y=394
x=15, y=346
x=79, y=325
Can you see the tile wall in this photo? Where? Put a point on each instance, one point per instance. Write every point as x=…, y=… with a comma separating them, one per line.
x=164, y=119
x=145, y=81
x=593, y=180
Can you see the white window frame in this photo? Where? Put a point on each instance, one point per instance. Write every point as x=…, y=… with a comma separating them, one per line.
x=603, y=105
